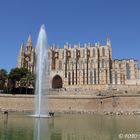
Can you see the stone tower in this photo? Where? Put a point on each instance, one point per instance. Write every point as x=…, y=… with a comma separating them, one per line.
x=26, y=57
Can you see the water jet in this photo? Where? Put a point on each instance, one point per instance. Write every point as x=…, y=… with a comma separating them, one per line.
x=41, y=72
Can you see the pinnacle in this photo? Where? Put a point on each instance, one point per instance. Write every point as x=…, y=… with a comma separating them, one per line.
x=22, y=44
x=29, y=42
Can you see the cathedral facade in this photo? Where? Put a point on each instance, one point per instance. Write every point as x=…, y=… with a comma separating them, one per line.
x=77, y=66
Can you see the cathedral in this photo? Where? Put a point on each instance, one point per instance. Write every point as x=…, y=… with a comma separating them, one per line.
x=78, y=66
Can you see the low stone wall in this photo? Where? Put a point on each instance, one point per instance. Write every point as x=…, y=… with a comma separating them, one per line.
x=74, y=103
x=123, y=103
x=16, y=102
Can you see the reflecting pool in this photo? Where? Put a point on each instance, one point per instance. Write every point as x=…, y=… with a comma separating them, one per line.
x=69, y=127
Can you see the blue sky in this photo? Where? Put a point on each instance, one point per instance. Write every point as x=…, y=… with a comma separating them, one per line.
x=70, y=21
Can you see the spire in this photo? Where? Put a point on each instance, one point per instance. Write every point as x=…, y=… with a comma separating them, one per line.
x=21, y=52
x=108, y=42
x=21, y=56
x=29, y=42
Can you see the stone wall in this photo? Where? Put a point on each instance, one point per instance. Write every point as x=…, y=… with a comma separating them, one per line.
x=94, y=104
x=74, y=103
x=16, y=102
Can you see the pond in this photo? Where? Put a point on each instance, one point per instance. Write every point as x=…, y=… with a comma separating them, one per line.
x=69, y=127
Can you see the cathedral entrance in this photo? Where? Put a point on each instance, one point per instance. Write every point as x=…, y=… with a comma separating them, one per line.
x=57, y=82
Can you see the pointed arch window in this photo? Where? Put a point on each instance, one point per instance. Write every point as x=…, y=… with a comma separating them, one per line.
x=60, y=65
x=116, y=77
x=91, y=64
x=94, y=76
x=72, y=77
x=127, y=71
x=69, y=79
x=83, y=76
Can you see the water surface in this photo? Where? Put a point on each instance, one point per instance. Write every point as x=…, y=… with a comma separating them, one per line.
x=68, y=127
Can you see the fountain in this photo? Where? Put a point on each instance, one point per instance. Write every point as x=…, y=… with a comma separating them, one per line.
x=41, y=129
x=41, y=56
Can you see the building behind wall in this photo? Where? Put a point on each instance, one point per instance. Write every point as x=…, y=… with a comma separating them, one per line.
x=75, y=66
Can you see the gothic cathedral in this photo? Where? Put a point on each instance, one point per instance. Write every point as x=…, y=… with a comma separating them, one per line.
x=75, y=66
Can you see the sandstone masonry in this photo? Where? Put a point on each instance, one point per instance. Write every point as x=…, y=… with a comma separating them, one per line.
x=74, y=104
x=79, y=66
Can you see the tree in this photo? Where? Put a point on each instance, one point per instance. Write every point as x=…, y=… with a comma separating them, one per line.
x=18, y=73
x=3, y=77
x=27, y=81
x=20, y=78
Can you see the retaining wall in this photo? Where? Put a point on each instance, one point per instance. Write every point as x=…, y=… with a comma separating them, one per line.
x=73, y=103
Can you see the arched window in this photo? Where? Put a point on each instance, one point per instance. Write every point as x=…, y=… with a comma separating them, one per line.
x=72, y=77
x=57, y=82
x=94, y=76
x=103, y=51
x=121, y=77
x=91, y=77
x=83, y=77
x=94, y=52
x=91, y=64
x=116, y=77
x=127, y=71
x=69, y=78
